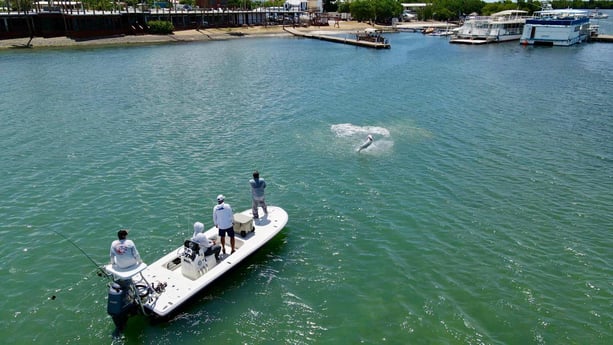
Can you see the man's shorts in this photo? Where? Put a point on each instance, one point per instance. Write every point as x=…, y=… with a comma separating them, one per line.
x=230, y=231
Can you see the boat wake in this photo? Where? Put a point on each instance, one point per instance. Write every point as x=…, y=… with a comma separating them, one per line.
x=356, y=135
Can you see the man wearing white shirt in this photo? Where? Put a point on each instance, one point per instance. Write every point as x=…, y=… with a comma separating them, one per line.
x=208, y=247
x=224, y=221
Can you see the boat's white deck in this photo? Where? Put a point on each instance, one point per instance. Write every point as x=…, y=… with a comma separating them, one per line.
x=180, y=288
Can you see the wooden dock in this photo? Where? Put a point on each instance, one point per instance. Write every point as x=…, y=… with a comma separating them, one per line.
x=337, y=39
x=602, y=38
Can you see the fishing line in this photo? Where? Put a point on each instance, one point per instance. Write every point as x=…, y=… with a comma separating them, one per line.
x=84, y=253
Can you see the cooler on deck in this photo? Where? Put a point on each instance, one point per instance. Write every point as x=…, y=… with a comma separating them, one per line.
x=243, y=224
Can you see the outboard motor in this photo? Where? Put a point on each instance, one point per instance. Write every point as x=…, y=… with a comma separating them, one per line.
x=119, y=305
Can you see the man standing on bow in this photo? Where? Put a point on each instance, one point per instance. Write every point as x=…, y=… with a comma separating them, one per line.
x=257, y=194
x=224, y=221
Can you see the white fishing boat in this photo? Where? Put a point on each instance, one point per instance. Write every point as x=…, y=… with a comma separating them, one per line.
x=159, y=288
x=550, y=27
x=499, y=27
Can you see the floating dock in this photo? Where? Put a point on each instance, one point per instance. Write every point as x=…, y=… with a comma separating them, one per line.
x=336, y=39
x=602, y=38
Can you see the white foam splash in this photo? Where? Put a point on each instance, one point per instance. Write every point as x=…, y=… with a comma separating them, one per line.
x=349, y=130
x=354, y=135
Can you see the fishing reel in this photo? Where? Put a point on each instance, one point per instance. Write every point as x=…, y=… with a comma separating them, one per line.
x=160, y=287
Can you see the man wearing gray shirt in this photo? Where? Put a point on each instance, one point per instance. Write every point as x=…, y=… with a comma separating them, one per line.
x=257, y=193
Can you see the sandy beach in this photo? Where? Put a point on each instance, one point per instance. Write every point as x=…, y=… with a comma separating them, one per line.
x=194, y=35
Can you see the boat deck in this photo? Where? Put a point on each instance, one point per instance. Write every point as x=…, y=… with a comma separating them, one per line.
x=181, y=285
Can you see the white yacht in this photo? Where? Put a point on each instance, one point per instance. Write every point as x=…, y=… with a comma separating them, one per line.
x=556, y=28
x=499, y=27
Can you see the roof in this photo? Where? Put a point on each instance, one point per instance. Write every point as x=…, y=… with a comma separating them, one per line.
x=415, y=5
x=508, y=13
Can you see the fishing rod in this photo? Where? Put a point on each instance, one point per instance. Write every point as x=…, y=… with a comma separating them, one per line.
x=84, y=253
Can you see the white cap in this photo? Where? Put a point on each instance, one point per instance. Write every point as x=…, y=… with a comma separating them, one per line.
x=370, y=137
x=220, y=197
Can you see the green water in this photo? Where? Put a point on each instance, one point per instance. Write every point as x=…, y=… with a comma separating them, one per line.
x=482, y=213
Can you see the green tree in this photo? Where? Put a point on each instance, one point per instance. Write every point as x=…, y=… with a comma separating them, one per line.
x=160, y=27
x=242, y=4
x=330, y=6
x=378, y=11
x=451, y=9
x=188, y=2
x=362, y=10
x=388, y=9
x=272, y=3
x=344, y=7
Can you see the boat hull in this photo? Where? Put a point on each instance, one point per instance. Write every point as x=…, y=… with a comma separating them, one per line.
x=180, y=284
x=556, y=28
x=500, y=27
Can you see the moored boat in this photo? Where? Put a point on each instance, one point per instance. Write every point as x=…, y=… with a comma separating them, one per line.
x=160, y=288
x=595, y=14
x=499, y=27
x=371, y=35
x=556, y=28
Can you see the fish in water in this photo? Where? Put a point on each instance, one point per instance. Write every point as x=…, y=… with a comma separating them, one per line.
x=367, y=143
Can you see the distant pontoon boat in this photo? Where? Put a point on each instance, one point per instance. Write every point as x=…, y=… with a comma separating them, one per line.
x=499, y=27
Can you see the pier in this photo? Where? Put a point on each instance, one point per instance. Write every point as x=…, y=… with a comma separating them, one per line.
x=602, y=38
x=337, y=39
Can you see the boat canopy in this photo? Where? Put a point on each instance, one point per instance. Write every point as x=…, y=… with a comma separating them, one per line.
x=509, y=13
x=564, y=13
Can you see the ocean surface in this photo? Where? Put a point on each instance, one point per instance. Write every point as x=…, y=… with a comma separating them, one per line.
x=482, y=213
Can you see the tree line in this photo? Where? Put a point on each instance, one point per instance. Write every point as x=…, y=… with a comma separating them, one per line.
x=377, y=11
x=383, y=11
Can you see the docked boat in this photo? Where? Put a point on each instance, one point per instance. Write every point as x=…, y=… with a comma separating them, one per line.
x=159, y=288
x=598, y=15
x=499, y=27
x=371, y=35
x=550, y=27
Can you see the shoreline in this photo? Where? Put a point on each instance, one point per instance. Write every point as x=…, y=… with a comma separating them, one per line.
x=196, y=35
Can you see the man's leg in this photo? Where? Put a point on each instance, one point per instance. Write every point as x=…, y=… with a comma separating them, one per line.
x=254, y=208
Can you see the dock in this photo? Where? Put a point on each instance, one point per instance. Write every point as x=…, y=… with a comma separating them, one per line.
x=602, y=38
x=337, y=39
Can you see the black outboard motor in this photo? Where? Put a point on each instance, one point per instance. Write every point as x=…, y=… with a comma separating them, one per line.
x=120, y=305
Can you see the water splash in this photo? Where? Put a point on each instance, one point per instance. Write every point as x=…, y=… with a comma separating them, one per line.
x=357, y=135
x=344, y=130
